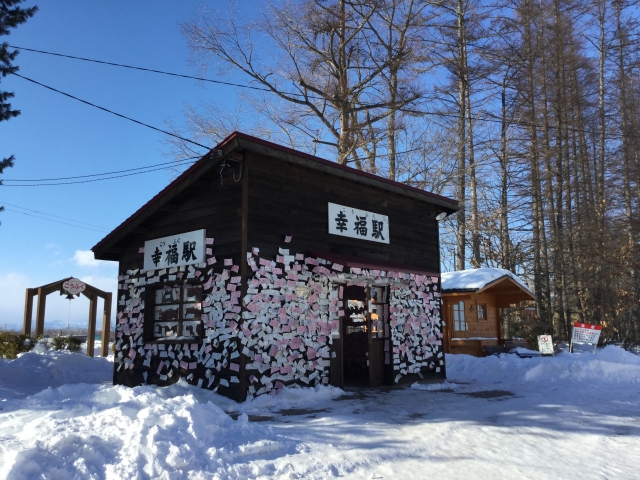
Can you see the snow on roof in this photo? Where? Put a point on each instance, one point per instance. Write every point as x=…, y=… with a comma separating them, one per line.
x=477, y=278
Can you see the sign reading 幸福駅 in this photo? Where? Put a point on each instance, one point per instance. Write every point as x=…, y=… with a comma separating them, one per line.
x=176, y=250
x=354, y=223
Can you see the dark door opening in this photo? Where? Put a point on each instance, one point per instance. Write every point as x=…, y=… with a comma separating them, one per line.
x=355, y=348
x=364, y=336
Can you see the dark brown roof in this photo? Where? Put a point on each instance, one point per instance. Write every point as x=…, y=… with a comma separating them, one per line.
x=242, y=141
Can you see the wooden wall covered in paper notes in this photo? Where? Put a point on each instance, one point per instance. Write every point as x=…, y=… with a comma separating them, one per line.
x=259, y=336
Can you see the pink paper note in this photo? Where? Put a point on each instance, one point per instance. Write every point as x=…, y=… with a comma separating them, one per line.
x=228, y=262
x=209, y=241
x=287, y=239
x=234, y=367
x=211, y=261
x=184, y=365
x=141, y=250
x=193, y=365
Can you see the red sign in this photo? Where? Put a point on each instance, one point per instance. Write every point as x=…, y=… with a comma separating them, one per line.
x=586, y=333
x=588, y=325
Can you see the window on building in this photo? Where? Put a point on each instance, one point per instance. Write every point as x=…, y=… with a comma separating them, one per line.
x=458, y=316
x=482, y=309
x=176, y=313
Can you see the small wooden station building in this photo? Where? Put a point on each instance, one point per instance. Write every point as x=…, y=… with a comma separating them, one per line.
x=261, y=267
x=472, y=301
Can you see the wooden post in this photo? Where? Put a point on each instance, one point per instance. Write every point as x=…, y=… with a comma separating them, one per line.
x=28, y=311
x=93, y=313
x=106, y=325
x=42, y=303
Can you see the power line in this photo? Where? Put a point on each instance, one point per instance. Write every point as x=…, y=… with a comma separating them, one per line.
x=173, y=162
x=486, y=117
x=56, y=221
x=51, y=215
x=89, y=181
x=151, y=70
x=111, y=111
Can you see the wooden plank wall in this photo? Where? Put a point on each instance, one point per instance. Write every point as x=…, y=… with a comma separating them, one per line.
x=487, y=328
x=287, y=199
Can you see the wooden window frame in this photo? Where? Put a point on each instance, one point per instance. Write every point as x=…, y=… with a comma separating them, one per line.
x=149, y=317
x=482, y=306
x=459, y=310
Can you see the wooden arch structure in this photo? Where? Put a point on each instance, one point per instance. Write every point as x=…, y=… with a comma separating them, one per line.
x=92, y=293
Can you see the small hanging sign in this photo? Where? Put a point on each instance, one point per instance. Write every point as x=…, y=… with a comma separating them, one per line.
x=354, y=223
x=74, y=286
x=186, y=248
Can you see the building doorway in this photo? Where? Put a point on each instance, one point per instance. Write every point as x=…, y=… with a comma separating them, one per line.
x=364, y=332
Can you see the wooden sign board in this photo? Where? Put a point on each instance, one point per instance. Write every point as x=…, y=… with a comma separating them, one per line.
x=354, y=223
x=74, y=286
x=186, y=248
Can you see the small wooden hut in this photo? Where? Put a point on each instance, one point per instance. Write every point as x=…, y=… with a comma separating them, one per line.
x=472, y=300
x=261, y=267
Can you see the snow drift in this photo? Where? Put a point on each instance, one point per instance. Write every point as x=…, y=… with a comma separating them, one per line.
x=609, y=365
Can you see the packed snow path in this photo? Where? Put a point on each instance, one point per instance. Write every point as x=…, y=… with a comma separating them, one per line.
x=571, y=416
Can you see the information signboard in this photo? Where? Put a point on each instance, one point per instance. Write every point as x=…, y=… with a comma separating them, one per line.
x=545, y=344
x=585, y=333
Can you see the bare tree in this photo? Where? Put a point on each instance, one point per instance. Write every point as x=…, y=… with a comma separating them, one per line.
x=322, y=66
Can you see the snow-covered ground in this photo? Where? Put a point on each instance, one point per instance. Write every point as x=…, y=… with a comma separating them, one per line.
x=570, y=416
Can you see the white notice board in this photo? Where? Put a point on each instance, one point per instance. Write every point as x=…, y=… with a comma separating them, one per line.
x=585, y=333
x=186, y=248
x=545, y=344
x=355, y=223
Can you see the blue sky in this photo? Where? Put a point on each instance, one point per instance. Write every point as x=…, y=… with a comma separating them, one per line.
x=58, y=137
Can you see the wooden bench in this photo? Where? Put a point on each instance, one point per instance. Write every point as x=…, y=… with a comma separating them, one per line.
x=489, y=350
x=511, y=345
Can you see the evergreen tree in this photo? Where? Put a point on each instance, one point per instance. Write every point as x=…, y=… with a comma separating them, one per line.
x=11, y=15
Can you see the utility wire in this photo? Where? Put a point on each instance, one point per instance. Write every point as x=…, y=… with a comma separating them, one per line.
x=486, y=117
x=112, y=112
x=90, y=180
x=57, y=221
x=173, y=162
x=113, y=64
x=51, y=215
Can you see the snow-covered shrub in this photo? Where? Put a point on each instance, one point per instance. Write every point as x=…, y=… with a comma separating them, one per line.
x=73, y=344
x=12, y=344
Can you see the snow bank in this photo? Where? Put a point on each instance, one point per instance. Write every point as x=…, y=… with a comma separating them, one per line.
x=98, y=431
x=287, y=398
x=611, y=364
x=32, y=372
x=81, y=426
